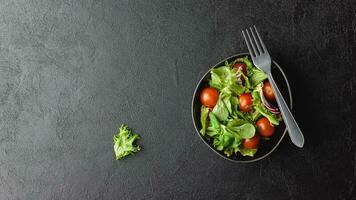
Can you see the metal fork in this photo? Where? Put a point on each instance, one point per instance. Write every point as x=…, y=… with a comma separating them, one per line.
x=262, y=60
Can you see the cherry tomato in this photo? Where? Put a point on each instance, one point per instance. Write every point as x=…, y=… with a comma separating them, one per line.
x=252, y=143
x=209, y=97
x=268, y=91
x=241, y=66
x=264, y=127
x=245, y=102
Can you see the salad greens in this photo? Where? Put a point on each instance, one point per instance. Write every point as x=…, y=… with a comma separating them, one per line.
x=226, y=78
x=225, y=125
x=256, y=76
x=124, y=142
x=260, y=108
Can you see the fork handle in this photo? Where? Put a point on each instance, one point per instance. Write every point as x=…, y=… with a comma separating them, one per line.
x=293, y=129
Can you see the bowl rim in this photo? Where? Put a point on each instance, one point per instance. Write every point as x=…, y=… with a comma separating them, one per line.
x=195, y=126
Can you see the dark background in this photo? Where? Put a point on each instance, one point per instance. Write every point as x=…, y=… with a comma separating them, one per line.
x=72, y=71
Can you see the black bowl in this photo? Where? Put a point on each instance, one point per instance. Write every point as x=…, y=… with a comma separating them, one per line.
x=267, y=146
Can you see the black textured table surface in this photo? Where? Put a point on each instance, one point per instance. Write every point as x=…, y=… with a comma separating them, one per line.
x=72, y=71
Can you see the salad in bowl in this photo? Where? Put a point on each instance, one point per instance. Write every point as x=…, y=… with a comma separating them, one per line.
x=235, y=112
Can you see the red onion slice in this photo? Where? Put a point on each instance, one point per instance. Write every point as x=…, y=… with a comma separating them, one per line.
x=269, y=107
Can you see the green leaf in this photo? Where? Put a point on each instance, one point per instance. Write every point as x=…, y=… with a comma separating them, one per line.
x=218, y=77
x=242, y=115
x=257, y=76
x=235, y=122
x=274, y=119
x=223, y=107
x=225, y=77
x=226, y=139
x=215, y=124
x=247, y=61
x=217, y=144
x=227, y=64
x=226, y=98
x=203, y=119
x=255, y=114
x=247, y=82
x=234, y=103
x=248, y=152
x=212, y=132
x=124, y=142
x=245, y=131
x=260, y=108
x=236, y=88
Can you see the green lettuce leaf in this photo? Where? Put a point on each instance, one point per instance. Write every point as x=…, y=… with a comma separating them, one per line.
x=236, y=113
x=255, y=75
x=245, y=131
x=274, y=119
x=227, y=64
x=247, y=82
x=220, y=110
x=227, y=140
x=124, y=142
x=248, y=152
x=234, y=103
x=214, y=121
x=247, y=61
x=226, y=98
x=203, y=119
x=218, y=76
x=226, y=77
x=223, y=107
x=254, y=115
x=214, y=127
x=235, y=122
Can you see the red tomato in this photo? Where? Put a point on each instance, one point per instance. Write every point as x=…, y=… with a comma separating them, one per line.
x=241, y=66
x=268, y=91
x=252, y=143
x=264, y=127
x=209, y=97
x=245, y=102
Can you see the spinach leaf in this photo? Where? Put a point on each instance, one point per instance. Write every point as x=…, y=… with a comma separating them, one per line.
x=245, y=131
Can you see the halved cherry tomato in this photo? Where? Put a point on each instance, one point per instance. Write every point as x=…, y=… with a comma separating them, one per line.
x=264, y=127
x=241, y=66
x=209, y=97
x=245, y=102
x=252, y=143
x=268, y=91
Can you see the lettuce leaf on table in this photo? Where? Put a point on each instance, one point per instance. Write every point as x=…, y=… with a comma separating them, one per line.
x=124, y=142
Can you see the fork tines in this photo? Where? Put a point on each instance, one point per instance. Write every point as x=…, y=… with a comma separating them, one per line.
x=255, y=46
